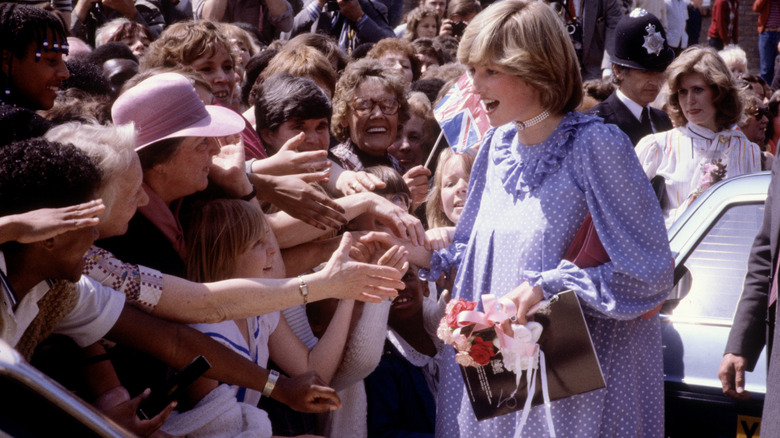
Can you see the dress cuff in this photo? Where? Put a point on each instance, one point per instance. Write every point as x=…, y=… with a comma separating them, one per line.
x=443, y=261
x=551, y=281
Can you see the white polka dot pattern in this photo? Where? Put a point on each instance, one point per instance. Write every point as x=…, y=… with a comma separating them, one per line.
x=524, y=206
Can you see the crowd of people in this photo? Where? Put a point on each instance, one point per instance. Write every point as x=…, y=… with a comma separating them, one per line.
x=264, y=184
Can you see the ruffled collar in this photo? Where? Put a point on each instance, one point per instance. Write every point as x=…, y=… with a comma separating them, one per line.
x=706, y=140
x=523, y=168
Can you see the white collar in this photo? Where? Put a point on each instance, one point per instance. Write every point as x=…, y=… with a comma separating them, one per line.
x=635, y=108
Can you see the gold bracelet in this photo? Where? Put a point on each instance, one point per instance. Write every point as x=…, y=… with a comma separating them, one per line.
x=304, y=288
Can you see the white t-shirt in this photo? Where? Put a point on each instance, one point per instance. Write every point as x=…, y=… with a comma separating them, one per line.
x=96, y=311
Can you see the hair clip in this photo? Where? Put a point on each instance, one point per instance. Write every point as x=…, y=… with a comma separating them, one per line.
x=56, y=46
x=7, y=91
x=65, y=48
x=45, y=44
x=37, y=55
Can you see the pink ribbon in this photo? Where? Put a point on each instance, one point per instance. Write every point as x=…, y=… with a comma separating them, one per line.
x=496, y=312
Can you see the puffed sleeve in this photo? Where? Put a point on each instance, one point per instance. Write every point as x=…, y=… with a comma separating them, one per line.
x=628, y=221
x=650, y=153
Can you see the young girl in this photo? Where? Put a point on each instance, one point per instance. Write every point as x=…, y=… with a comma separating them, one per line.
x=447, y=196
x=227, y=239
x=422, y=22
x=32, y=42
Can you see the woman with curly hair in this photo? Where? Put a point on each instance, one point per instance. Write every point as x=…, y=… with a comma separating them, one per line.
x=422, y=22
x=704, y=104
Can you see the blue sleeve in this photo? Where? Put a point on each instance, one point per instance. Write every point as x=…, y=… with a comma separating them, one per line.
x=628, y=221
x=373, y=26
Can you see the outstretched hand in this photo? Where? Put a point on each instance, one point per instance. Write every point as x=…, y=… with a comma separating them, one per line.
x=398, y=220
x=348, y=279
x=296, y=197
x=45, y=223
x=306, y=392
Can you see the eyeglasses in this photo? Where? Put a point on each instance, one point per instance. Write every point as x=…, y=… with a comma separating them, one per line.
x=760, y=112
x=366, y=106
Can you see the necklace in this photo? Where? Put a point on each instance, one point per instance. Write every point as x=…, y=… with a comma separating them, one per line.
x=531, y=122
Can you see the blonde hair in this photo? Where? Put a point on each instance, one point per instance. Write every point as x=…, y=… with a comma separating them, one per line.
x=433, y=211
x=111, y=149
x=528, y=41
x=218, y=232
x=707, y=63
x=732, y=53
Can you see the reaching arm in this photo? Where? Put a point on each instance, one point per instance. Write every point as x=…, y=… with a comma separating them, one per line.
x=177, y=345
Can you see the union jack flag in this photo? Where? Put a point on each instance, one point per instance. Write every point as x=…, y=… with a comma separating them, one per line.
x=461, y=116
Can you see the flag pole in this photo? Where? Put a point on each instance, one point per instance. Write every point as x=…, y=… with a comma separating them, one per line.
x=433, y=150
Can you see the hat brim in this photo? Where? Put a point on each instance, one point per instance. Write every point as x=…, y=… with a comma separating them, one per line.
x=219, y=123
x=664, y=59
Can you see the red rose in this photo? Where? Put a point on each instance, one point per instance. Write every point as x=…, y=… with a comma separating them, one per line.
x=481, y=351
x=460, y=306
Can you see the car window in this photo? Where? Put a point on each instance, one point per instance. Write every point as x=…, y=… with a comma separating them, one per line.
x=718, y=264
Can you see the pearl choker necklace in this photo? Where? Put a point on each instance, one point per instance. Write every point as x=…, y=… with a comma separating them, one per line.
x=531, y=122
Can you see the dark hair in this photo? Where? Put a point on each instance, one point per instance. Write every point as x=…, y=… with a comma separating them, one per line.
x=159, y=152
x=36, y=173
x=463, y=7
x=86, y=76
x=21, y=25
x=429, y=47
x=129, y=30
x=598, y=89
x=430, y=87
x=774, y=109
x=254, y=68
x=284, y=97
x=394, y=182
x=111, y=50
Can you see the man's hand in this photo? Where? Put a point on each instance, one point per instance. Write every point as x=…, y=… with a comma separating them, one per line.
x=351, y=9
x=296, y=197
x=348, y=279
x=732, y=376
x=306, y=392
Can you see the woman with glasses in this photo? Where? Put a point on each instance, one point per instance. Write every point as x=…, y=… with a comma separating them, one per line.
x=704, y=104
x=368, y=107
x=369, y=104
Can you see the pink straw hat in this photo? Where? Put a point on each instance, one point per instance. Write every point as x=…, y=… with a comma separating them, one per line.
x=167, y=106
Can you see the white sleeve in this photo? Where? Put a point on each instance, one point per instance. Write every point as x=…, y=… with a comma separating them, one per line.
x=95, y=313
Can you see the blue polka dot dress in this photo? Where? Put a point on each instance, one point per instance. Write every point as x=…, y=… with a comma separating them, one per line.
x=525, y=203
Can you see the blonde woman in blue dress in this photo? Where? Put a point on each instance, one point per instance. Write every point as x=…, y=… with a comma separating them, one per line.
x=539, y=171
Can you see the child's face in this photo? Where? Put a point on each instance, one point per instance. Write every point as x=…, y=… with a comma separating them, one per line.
x=317, y=132
x=34, y=84
x=218, y=71
x=262, y=259
x=454, y=183
x=427, y=27
x=409, y=301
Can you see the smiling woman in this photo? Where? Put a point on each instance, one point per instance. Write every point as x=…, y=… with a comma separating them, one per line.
x=32, y=42
x=705, y=104
x=369, y=103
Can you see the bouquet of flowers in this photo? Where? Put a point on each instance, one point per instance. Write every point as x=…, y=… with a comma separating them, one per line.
x=478, y=337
